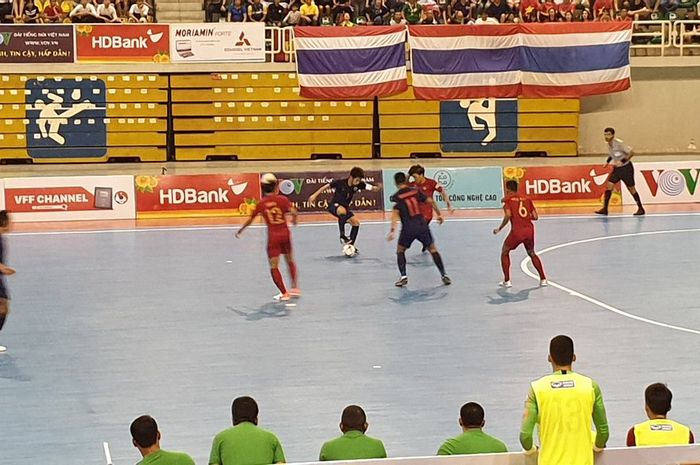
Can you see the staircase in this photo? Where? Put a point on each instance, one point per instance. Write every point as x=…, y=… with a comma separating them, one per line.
x=180, y=11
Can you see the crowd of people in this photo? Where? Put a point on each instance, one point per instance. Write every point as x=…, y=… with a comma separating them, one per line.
x=392, y=12
x=564, y=405
x=76, y=11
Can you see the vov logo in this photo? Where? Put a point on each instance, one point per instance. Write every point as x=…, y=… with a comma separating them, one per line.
x=66, y=118
x=672, y=182
x=288, y=186
x=484, y=125
x=5, y=38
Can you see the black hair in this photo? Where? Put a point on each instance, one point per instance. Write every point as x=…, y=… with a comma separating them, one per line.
x=353, y=418
x=610, y=130
x=268, y=188
x=4, y=218
x=400, y=178
x=472, y=415
x=144, y=431
x=244, y=409
x=561, y=349
x=357, y=172
x=416, y=169
x=512, y=185
x=658, y=398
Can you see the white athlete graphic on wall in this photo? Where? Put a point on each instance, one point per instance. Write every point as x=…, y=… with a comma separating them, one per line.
x=482, y=116
x=50, y=120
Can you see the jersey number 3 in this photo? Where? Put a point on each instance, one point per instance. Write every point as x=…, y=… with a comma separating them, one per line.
x=275, y=215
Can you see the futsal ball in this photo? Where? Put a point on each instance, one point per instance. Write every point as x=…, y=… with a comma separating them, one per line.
x=268, y=178
x=349, y=250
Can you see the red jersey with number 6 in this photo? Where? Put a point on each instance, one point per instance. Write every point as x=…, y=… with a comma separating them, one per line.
x=428, y=188
x=521, y=209
x=274, y=209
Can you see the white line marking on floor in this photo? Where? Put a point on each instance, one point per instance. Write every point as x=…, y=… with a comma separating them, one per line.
x=603, y=305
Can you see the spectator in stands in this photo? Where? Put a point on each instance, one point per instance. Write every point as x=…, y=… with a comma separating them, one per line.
x=638, y=9
x=412, y=12
x=397, y=19
x=275, y=13
x=107, y=12
x=568, y=17
x=293, y=16
x=325, y=8
x=146, y=438
x=586, y=15
x=459, y=18
x=564, y=399
x=245, y=443
x=309, y=13
x=529, y=11
x=658, y=430
x=338, y=13
x=623, y=15
x=122, y=7
x=566, y=6
x=52, y=12
x=394, y=6
x=473, y=440
x=666, y=7
x=214, y=10
x=346, y=21
x=354, y=444
x=377, y=13
x=138, y=13
x=84, y=12
x=6, y=11
x=552, y=16
x=30, y=15
x=600, y=7
x=257, y=11
x=430, y=16
x=500, y=10
x=484, y=17
x=465, y=7
x=237, y=12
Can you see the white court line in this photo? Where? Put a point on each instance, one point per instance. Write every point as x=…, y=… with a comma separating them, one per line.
x=603, y=305
x=323, y=224
x=108, y=454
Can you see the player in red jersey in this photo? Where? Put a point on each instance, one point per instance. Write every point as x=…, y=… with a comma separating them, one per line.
x=428, y=187
x=519, y=212
x=274, y=208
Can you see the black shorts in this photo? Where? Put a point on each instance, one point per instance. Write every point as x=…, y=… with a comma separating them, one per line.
x=410, y=234
x=333, y=210
x=4, y=294
x=623, y=173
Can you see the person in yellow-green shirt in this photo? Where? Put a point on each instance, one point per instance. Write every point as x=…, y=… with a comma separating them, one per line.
x=658, y=430
x=146, y=438
x=245, y=443
x=473, y=440
x=354, y=444
x=563, y=404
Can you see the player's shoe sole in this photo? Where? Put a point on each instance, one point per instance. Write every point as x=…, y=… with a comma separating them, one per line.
x=446, y=280
x=640, y=212
x=3, y=349
x=296, y=292
x=602, y=211
x=403, y=281
x=281, y=298
x=506, y=284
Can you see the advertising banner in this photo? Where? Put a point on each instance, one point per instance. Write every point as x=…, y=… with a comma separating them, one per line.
x=466, y=187
x=298, y=187
x=70, y=198
x=197, y=195
x=666, y=182
x=122, y=43
x=577, y=185
x=212, y=42
x=36, y=44
x=2, y=194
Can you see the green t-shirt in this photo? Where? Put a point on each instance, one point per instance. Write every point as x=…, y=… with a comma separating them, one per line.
x=246, y=444
x=164, y=457
x=472, y=441
x=412, y=15
x=353, y=445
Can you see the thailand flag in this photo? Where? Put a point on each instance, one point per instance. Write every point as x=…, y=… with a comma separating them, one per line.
x=559, y=60
x=342, y=63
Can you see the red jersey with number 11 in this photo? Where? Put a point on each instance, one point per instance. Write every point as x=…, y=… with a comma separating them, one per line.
x=274, y=209
x=521, y=209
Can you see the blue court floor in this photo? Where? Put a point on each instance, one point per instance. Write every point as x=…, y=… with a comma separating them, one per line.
x=108, y=325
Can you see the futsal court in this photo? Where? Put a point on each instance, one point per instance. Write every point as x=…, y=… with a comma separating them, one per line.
x=176, y=321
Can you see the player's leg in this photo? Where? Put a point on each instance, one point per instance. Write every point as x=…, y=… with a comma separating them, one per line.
x=428, y=220
x=292, y=265
x=355, y=227
x=609, y=185
x=509, y=244
x=4, y=311
x=628, y=179
x=340, y=213
x=529, y=244
x=428, y=243
x=401, y=262
x=273, y=253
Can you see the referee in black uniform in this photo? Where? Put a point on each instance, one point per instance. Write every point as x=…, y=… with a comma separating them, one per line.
x=620, y=156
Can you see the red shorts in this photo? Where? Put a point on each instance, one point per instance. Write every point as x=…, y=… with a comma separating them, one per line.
x=526, y=238
x=279, y=244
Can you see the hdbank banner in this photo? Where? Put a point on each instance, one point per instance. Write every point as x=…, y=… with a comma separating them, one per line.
x=197, y=195
x=466, y=187
x=122, y=43
x=298, y=187
x=211, y=42
x=562, y=185
x=666, y=182
x=70, y=198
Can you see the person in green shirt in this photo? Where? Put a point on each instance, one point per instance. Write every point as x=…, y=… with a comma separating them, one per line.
x=245, y=443
x=354, y=444
x=473, y=440
x=146, y=438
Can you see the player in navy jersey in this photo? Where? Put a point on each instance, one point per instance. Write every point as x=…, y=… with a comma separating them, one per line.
x=407, y=208
x=4, y=271
x=339, y=206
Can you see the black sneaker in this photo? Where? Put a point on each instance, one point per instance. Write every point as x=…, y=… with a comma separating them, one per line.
x=602, y=211
x=446, y=280
x=640, y=212
x=403, y=280
x=344, y=240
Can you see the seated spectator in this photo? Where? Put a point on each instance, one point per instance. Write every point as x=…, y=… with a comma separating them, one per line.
x=473, y=440
x=601, y=7
x=214, y=10
x=397, y=19
x=552, y=16
x=586, y=15
x=245, y=443
x=293, y=16
x=122, y=7
x=484, y=18
x=458, y=18
x=275, y=13
x=462, y=6
x=604, y=18
x=6, y=11
x=638, y=9
x=338, y=13
x=30, y=15
x=107, y=12
x=325, y=7
x=412, y=12
x=237, y=12
x=346, y=21
x=52, y=12
x=500, y=10
x=658, y=430
x=430, y=16
x=354, y=444
x=84, y=12
x=257, y=12
x=138, y=13
x=529, y=11
x=309, y=13
x=146, y=438
x=394, y=5
x=665, y=7
x=568, y=17
x=377, y=13
x=566, y=5
x=623, y=15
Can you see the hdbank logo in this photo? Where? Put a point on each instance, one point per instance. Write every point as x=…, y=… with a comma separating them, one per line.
x=484, y=125
x=672, y=182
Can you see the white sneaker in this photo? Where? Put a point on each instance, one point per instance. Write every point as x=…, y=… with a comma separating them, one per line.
x=3, y=349
x=505, y=284
x=543, y=283
x=281, y=298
